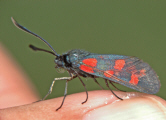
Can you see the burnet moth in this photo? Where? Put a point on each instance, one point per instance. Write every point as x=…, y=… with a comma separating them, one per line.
x=125, y=70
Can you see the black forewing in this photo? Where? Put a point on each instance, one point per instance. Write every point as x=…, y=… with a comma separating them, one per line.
x=148, y=81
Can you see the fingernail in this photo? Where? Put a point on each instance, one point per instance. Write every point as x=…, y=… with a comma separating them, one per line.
x=135, y=108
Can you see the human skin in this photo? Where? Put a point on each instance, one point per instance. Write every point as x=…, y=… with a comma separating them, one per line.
x=17, y=95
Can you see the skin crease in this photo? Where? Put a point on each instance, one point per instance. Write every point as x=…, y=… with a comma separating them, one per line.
x=17, y=96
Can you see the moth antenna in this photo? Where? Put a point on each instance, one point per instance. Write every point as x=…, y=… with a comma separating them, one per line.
x=28, y=31
x=40, y=49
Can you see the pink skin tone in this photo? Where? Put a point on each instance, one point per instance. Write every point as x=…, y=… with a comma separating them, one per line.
x=17, y=95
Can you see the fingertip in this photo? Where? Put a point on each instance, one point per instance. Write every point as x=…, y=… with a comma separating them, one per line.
x=15, y=88
x=136, y=106
x=102, y=104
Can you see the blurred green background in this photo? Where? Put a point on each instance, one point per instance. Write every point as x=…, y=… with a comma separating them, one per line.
x=134, y=28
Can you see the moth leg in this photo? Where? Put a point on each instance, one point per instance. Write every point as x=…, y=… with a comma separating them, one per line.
x=51, y=87
x=106, y=81
x=98, y=84
x=65, y=93
x=85, y=89
x=115, y=86
x=55, y=79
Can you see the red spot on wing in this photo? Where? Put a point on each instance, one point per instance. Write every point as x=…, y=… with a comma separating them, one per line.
x=119, y=64
x=108, y=73
x=90, y=61
x=100, y=57
x=142, y=72
x=134, y=79
x=86, y=69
